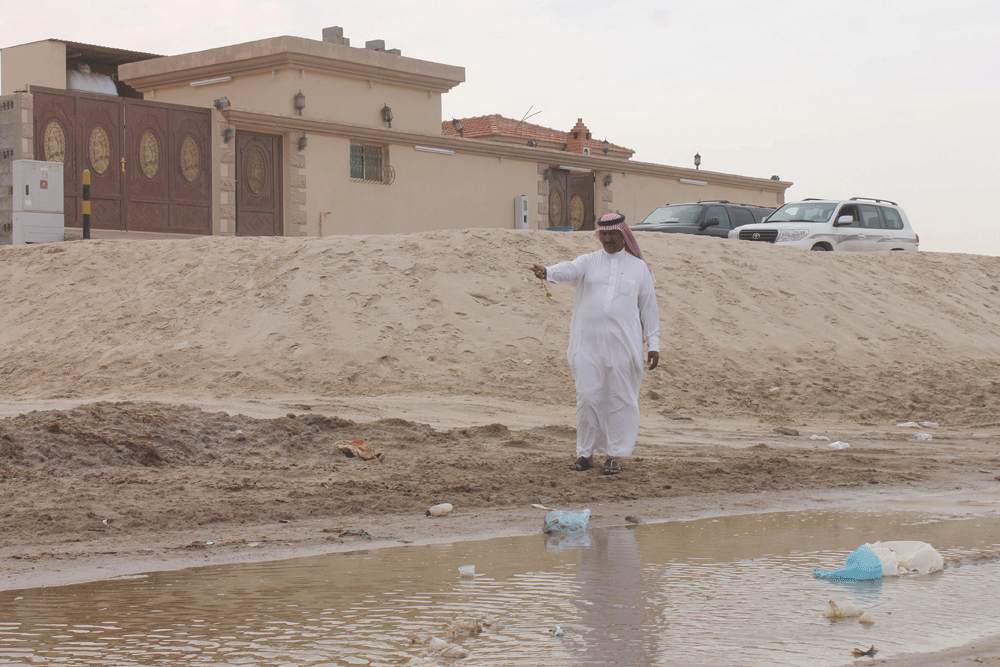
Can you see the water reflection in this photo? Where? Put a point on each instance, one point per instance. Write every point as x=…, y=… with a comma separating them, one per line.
x=734, y=591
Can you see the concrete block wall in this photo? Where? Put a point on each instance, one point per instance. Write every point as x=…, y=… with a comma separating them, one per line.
x=16, y=143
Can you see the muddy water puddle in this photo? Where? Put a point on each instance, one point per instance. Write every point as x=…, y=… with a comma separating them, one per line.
x=735, y=590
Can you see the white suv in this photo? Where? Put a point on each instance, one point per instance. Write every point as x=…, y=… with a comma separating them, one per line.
x=854, y=224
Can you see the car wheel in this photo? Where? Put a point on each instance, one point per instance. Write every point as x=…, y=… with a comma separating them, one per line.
x=821, y=247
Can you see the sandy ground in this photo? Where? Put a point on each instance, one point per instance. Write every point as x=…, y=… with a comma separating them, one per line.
x=156, y=396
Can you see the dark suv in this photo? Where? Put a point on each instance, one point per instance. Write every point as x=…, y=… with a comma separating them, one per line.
x=707, y=218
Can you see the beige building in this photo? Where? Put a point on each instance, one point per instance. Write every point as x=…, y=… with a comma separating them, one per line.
x=298, y=137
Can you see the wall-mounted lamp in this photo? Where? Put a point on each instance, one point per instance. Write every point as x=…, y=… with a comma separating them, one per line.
x=697, y=161
x=548, y=173
x=458, y=126
x=605, y=146
x=300, y=102
x=532, y=143
x=303, y=142
x=227, y=135
x=775, y=177
x=607, y=180
x=221, y=103
x=387, y=114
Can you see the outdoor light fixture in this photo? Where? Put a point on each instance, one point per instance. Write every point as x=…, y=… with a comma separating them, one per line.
x=697, y=161
x=532, y=143
x=221, y=103
x=300, y=102
x=458, y=126
x=605, y=146
x=302, y=142
x=387, y=114
x=227, y=135
x=607, y=180
x=548, y=173
x=775, y=177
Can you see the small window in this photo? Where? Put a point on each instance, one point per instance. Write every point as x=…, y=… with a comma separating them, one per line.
x=720, y=213
x=369, y=163
x=869, y=216
x=892, y=218
x=742, y=216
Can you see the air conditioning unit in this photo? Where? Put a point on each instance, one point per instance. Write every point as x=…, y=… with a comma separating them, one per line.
x=38, y=202
x=521, y=212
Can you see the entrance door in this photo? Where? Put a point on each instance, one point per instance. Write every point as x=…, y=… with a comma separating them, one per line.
x=55, y=141
x=571, y=199
x=258, y=184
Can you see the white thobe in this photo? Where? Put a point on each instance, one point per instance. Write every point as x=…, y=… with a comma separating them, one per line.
x=614, y=312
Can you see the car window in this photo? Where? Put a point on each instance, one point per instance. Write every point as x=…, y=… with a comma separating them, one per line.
x=892, y=218
x=804, y=211
x=720, y=213
x=869, y=216
x=851, y=210
x=742, y=216
x=674, y=213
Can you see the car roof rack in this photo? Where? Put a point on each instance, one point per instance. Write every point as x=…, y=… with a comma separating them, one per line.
x=815, y=199
x=880, y=201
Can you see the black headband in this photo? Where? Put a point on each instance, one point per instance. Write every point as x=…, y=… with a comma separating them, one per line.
x=607, y=221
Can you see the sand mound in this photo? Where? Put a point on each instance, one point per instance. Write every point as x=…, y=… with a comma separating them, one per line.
x=746, y=328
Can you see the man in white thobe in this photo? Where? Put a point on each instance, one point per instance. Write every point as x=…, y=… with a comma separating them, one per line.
x=614, y=314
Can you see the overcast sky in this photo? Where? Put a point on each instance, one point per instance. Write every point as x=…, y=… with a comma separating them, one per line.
x=895, y=100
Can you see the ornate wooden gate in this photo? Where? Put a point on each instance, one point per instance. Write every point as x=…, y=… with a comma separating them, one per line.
x=571, y=199
x=149, y=162
x=258, y=184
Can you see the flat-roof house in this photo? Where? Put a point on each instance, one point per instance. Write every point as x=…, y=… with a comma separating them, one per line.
x=293, y=136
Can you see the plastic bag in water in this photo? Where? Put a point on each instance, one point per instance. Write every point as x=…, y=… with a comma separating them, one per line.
x=563, y=521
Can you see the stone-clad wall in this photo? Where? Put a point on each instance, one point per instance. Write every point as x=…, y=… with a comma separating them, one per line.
x=16, y=143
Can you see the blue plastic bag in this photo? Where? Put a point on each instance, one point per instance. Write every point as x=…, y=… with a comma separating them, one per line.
x=562, y=521
x=862, y=565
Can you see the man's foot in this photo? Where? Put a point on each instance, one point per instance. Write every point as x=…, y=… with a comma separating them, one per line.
x=582, y=463
x=612, y=467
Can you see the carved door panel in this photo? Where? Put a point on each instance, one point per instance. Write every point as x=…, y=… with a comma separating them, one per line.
x=559, y=198
x=98, y=148
x=581, y=200
x=191, y=178
x=258, y=184
x=55, y=141
x=147, y=164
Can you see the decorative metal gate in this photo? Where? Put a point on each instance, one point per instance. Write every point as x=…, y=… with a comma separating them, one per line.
x=258, y=184
x=150, y=162
x=571, y=199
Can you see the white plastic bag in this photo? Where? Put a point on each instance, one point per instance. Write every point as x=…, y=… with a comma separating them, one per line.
x=563, y=521
x=905, y=557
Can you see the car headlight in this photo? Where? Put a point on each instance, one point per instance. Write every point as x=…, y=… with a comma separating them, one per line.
x=791, y=235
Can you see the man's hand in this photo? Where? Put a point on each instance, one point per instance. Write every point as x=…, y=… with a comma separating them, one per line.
x=540, y=271
x=654, y=359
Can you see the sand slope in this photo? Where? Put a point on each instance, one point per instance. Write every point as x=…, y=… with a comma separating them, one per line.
x=747, y=329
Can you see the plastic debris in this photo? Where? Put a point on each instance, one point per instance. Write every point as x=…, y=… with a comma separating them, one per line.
x=886, y=559
x=908, y=425
x=557, y=632
x=929, y=424
x=357, y=448
x=467, y=570
x=527, y=361
x=838, y=445
x=784, y=430
x=818, y=437
x=541, y=507
x=860, y=653
x=866, y=618
x=564, y=521
x=470, y=626
x=842, y=610
x=440, y=510
x=922, y=436
x=446, y=649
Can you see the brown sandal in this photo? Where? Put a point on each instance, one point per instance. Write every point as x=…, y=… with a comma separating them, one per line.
x=612, y=467
x=581, y=464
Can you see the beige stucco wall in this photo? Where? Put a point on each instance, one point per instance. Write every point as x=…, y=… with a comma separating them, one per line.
x=328, y=97
x=430, y=191
x=37, y=64
x=637, y=195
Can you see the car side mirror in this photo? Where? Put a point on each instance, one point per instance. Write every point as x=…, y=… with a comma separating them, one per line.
x=711, y=222
x=844, y=221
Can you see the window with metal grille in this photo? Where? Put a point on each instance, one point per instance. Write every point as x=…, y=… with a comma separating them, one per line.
x=369, y=163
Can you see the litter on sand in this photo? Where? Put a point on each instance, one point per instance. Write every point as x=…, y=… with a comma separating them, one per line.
x=818, y=437
x=861, y=653
x=838, y=445
x=357, y=449
x=563, y=521
x=886, y=559
x=440, y=509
